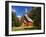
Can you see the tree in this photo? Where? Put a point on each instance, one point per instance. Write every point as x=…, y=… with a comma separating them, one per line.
x=36, y=16
x=15, y=20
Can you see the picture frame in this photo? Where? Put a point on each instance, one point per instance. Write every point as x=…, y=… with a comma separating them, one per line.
x=12, y=6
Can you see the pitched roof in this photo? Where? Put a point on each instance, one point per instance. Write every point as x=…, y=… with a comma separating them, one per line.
x=29, y=19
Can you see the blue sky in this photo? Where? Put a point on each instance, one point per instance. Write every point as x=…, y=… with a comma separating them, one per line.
x=20, y=10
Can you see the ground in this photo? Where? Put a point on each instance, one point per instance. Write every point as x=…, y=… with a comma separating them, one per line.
x=22, y=27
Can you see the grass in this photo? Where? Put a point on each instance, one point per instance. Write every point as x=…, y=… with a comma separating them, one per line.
x=25, y=28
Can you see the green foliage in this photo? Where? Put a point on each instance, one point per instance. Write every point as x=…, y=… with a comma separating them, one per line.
x=36, y=16
x=15, y=21
x=17, y=24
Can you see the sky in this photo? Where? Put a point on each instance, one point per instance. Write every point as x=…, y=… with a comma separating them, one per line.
x=20, y=10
